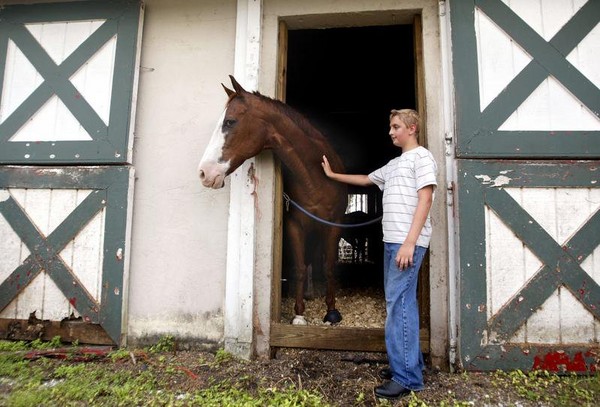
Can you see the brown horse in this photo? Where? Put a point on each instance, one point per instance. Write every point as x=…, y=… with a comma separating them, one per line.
x=252, y=123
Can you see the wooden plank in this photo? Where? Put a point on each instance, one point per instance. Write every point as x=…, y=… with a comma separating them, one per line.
x=282, y=54
x=423, y=287
x=277, y=244
x=14, y=251
x=420, y=77
x=88, y=254
x=334, y=338
x=580, y=358
x=280, y=94
x=69, y=331
x=496, y=70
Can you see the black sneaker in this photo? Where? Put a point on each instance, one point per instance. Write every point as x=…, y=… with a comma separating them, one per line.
x=391, y=390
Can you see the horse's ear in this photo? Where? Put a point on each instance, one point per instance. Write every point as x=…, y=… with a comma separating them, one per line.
x=227, y=90
x=238, y=88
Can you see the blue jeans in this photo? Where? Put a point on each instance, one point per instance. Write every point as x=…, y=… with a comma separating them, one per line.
x=402, y=320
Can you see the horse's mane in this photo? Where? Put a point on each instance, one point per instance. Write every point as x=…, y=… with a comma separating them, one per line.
x=303, y=123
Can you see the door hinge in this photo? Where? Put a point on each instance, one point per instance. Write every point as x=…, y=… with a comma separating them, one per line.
x=442, y=8
x=451, y=196
x=449, y=148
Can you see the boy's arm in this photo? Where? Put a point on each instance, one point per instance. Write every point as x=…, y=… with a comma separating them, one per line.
x=354, y=179
x=404, y=258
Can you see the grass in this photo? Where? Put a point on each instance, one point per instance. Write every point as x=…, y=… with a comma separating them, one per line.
x=551, y=389
x=155, y=380
x=537, y=387
x=45, y=382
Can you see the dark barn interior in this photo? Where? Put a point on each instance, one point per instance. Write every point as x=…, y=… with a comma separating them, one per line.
x=346, y=81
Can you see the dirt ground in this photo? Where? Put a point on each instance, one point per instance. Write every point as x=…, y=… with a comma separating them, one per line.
x=348, y=379
x=341, y=378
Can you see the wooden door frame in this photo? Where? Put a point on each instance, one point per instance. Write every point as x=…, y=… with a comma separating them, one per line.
x=332, y=337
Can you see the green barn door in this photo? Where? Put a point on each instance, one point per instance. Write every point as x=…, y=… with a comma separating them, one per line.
x=528, y=99
x=68, y=75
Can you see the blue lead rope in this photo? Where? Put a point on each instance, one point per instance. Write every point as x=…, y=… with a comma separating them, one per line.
x=289, y=200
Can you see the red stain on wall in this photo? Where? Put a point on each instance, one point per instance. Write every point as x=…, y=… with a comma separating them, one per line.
x=560, y=362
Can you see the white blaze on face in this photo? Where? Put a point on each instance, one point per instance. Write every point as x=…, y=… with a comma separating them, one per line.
x=211, y=170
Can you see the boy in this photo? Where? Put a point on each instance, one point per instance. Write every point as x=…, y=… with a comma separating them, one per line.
x=408, y=183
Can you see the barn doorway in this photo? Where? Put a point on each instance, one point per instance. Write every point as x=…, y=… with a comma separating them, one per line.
x=346, y=81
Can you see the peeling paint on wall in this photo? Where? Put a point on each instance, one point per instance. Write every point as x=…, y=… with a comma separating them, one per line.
x=499, y=181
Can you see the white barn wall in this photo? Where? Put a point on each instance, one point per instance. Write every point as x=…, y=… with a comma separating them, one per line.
x=179, y=236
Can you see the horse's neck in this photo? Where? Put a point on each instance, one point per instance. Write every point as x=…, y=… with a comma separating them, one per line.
x=300, y=154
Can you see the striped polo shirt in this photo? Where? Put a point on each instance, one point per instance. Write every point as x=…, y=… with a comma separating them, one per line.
x=400, y=179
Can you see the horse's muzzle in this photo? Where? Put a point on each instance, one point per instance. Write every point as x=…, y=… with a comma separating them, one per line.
x=211, y=177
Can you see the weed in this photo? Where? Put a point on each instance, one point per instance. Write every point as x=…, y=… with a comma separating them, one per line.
x=550, y=389
x=40, y=344
x=225, y=394
x=165, y=344
x=415, y=401
x=290, y=396
x=9, y=346
x=119, y=354
x=15, y=346
x=44, y=382
x=160, y=380
x=222, y=356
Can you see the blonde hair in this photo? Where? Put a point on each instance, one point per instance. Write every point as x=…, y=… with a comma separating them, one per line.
x=408, y=117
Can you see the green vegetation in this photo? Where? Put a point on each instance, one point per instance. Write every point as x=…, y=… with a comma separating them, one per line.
x=48, y=382
x=539, y=387
x=222, y=356
x=165, y=344
x=549, y=388
x=159, y=376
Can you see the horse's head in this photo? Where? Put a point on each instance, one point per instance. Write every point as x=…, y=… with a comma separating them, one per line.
x=240, y=134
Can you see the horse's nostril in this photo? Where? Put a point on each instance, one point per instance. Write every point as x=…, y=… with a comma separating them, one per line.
x=201, y=174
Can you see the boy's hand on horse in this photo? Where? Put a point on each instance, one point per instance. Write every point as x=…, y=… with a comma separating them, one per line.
x=326, y=167
x=352, y=179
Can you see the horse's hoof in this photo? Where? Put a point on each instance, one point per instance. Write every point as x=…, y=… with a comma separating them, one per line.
x=299, y=320
x=333, y=316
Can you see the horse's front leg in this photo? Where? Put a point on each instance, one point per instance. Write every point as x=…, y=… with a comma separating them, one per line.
x=296, y=238
x=329, y=258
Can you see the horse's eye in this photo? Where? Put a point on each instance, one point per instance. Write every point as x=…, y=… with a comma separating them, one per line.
x=229, y=123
